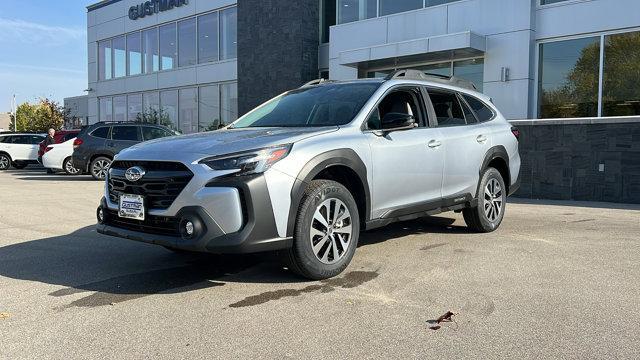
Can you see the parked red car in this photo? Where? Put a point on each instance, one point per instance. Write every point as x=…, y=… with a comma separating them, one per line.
x=60, y=137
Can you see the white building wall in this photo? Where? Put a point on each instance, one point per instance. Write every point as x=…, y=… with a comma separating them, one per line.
x=113, y=20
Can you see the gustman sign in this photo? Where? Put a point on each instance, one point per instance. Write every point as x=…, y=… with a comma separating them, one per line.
x=151, y=7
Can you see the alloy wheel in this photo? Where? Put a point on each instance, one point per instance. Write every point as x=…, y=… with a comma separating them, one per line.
x=4, y=162
x=331, y=231
x=100, y=168
x=68, y=167
x=493, y=201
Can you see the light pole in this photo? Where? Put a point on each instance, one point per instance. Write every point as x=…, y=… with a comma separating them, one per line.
x=15, y=111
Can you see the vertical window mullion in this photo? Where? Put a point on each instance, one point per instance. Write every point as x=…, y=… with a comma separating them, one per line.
x=219, y=36
x=601, y=76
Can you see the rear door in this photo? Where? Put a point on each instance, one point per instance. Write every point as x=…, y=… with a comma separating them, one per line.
x=122, y=137
x=465, y=142
x=25, y=147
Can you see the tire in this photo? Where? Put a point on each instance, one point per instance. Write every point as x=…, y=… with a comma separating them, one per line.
x=5, y=162
x=99, y=167
x=334, y=252
x=68, y=168
x=19, y=165
x=491, y=198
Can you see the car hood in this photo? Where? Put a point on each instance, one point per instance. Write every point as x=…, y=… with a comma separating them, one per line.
x=222, y=142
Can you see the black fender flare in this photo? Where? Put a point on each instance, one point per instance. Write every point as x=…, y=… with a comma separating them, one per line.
x=343, y=157
x=495, y=152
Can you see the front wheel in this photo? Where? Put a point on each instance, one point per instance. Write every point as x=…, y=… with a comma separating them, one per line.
x=99, y=167
x=5, y=162
x=487, y=215
x=69, y=168
x=326, y=231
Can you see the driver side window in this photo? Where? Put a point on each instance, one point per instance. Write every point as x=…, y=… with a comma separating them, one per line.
x=404, y=101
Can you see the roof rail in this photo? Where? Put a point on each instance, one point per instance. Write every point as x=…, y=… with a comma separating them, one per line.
x=443, y=79
x=316, y=82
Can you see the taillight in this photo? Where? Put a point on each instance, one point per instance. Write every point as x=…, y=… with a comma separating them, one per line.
x=515, y=132
x=77, y=142
x=48, y=149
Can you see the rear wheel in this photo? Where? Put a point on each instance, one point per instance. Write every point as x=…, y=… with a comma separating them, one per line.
x=67, y=165
x=326, y=231
x=487, y=215
x=5, y=162
x=99, y=167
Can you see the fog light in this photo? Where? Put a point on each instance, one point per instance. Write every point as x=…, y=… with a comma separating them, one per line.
x=100, y=215
x=188, y=228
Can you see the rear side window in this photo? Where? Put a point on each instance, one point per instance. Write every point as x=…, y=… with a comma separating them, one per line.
x=101, y=132
x=127, y=133
x=4, y=139
x=69, y=136
x=34, y=139
x=150, y=133
x=468, y=114
x=483, y=112
x=447, y=108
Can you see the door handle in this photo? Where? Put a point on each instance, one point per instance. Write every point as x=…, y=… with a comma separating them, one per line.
x=481, y=139
x=434, y=144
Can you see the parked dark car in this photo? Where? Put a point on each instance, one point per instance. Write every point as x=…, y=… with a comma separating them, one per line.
x=96, y=145
x=60, y=137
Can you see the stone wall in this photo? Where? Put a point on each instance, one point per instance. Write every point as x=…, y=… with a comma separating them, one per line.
x=580, y=160
x=277, y=48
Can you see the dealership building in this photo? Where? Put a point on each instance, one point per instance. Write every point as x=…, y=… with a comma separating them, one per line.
x=566, y=72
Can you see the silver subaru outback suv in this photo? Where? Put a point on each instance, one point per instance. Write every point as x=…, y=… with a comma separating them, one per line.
x=305, y=172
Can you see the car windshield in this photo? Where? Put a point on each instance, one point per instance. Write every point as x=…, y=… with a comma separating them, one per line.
x=322, y=105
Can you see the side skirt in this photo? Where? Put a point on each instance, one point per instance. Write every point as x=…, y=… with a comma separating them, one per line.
x=423, y=209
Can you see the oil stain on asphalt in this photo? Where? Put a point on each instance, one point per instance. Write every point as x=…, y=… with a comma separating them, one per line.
x=350, y=280
x=197, y=275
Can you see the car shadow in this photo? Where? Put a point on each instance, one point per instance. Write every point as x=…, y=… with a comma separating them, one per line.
x=108, y=270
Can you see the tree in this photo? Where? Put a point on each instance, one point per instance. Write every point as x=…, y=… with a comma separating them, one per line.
x=155, y=116
x=46, y=114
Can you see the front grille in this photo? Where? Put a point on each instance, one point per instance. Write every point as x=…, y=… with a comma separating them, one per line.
x=160, y=186
x=158, y=225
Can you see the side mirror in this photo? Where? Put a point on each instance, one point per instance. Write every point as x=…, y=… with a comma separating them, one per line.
x=398, y=121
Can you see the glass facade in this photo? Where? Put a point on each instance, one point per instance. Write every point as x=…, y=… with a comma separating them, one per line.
x=150, y=50
x=119, y=57
x=228, y=33
x=189, y=109
x=134, y=54
x=208, y=38
x=168, y=46
x=470, y=69
x=187, y=42
x=200, y=39
x=621, y=75
x=354, y=10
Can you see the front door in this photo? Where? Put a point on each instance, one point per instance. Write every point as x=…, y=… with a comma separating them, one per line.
x=407, y=164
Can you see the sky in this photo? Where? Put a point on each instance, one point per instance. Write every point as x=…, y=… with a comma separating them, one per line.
x=43, y=50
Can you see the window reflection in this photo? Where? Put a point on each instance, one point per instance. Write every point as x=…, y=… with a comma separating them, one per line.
x=169, y=108
x=621, y=77
x=188, y=103
x=471, y=70
x=354, y=10
x=228, y=33
x=208, y=38
x=119, y=57
x=229, y=102
x=568, y=78
x=134, y=54
x=119, y=108
x=187, y=42
x=168, y=48
x=104, y=60
x=134, y=105
x=150, y=45
x=209, y=113
x=388, y=7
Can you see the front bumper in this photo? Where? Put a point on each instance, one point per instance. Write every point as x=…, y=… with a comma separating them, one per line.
x=256, y=232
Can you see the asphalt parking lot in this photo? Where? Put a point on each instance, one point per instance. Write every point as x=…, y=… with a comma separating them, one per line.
x=557, y=280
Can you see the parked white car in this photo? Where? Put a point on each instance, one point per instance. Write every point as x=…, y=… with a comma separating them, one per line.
x=19, y=150
x=58, y=157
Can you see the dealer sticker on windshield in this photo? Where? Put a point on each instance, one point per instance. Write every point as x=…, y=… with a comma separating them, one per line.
x=131, y=207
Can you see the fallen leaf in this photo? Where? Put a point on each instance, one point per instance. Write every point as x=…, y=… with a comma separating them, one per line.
x=4, y=315
x=435, y=324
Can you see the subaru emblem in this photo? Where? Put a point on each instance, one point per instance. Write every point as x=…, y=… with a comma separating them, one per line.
x=134, y=174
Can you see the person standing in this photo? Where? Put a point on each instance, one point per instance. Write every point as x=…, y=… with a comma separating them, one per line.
x=50, y=140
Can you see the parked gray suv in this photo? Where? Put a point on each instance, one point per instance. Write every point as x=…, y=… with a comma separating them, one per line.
x=305, y=172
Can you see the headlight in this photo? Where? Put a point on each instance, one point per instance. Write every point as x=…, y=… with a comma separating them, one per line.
x=248, y=162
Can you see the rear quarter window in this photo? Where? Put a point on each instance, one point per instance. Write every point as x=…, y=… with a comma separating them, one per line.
x=482, y=111
x=101, y=132
x=126, y=133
